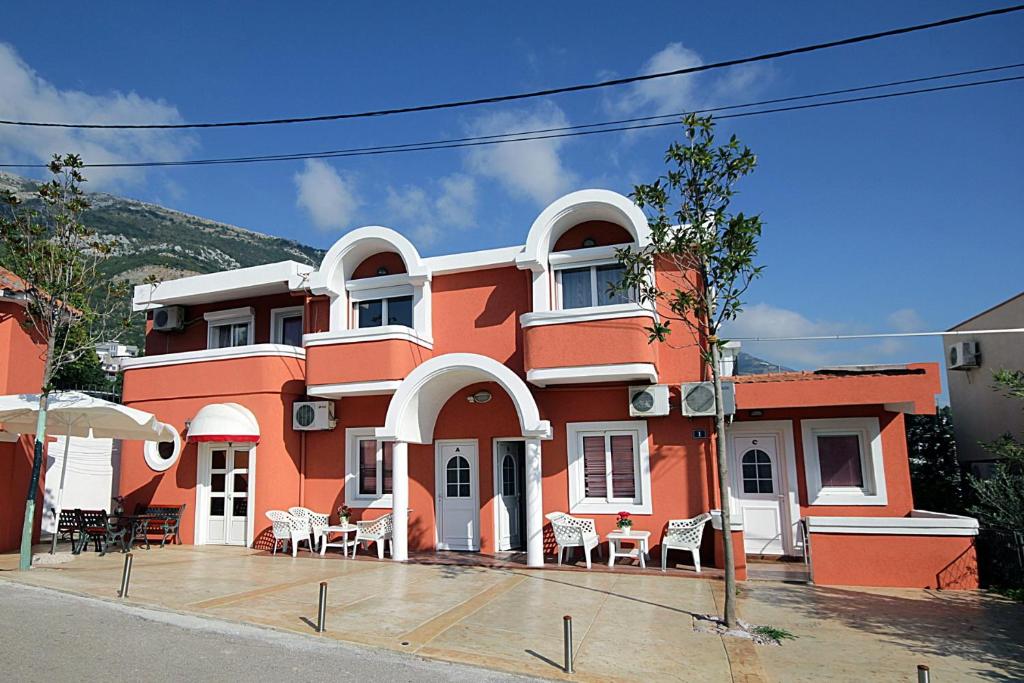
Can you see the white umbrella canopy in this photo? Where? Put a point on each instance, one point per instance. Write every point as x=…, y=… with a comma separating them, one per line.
x=72, y=413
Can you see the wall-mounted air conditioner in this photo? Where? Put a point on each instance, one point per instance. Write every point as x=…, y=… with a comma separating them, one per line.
x=309, y=416
x=648, y=401
x=963, y=355
x=169, y=319
x=698, y=398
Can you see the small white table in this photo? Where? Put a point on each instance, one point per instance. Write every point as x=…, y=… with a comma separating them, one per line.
x=343, y=543
x=639, y=550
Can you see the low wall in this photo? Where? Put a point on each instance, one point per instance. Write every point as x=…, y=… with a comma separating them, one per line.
x=714, y=556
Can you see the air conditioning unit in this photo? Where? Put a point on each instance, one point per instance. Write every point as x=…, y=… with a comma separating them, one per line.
x=648, y=401
x=963, y=355
x=698, y=398
x=169, y=319
x=308, y=416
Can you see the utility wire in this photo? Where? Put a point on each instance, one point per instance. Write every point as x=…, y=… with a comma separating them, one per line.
x=881, y=335
x=543, y=93
x=565, y=131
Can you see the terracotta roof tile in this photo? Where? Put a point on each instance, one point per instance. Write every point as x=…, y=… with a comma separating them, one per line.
x=807, y=375
x=10, y=281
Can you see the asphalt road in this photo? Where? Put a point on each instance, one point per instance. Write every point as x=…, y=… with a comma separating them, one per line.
x=54, y=637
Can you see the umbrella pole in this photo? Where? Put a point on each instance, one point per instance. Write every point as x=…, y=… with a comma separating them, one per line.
x=60, y=491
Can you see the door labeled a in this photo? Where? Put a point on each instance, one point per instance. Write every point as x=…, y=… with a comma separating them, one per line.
x=458, y=525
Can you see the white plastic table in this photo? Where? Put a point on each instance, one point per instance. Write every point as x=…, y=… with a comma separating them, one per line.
x=639, y=550
x=343, y=543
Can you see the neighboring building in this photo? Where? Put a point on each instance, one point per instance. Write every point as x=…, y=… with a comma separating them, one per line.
x=981, y=412
x=21, y=371
x=474, y=393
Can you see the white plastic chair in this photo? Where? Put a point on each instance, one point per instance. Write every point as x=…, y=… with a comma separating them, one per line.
x=574, y=532
x=318, y=524
x=684, y=534
x=280, y=525
x=375, y=531
x=300, y=528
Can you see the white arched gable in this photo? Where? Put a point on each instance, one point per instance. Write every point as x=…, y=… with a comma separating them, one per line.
x=333, y=277
x=420, y=397
x=566, y=212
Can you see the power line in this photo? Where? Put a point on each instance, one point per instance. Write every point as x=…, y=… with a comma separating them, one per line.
x=880, y=335
x=542, y=93
x=568, y=131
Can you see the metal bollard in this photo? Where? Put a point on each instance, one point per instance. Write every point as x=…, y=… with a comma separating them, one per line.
x=923, y=674
x=321, y=612
x=126, y=576
x=567, y=638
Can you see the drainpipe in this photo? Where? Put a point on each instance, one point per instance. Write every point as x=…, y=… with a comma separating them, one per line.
x=302, y=469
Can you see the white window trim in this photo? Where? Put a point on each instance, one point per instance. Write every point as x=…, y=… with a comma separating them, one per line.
x=277, y=315
x=353, y=435
x=578, y=503
x=231, y=316
x=355, y=301
x=872, y=463
x=592, y=265
x=151, y=452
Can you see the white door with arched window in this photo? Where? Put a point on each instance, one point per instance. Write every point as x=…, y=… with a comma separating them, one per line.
x=457, y=496
x=758, y=493
x=509, y=461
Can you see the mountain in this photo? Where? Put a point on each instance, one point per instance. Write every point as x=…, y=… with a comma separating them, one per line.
x=752, y=365
x=149, y=239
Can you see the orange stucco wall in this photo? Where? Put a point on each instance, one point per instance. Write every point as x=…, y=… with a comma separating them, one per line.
x=602, y=232
x=363, y=362
x=608, y=341
x=386, y=259
x=947, y=562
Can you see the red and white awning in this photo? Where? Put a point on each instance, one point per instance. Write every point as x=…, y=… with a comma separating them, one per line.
x=224, y=422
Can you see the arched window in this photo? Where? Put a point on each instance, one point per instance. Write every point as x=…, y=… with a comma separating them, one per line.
x=457, y=477
x=757, y=472
x=508, y=476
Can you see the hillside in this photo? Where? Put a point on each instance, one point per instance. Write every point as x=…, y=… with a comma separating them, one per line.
x=149, y=239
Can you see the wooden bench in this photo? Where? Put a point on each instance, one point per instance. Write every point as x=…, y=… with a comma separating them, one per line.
x=164, y=523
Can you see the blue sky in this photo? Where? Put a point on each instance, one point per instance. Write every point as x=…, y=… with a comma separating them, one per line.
x=890, y=216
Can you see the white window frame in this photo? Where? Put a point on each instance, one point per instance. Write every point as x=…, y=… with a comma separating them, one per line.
x=871, y=461
x=578, y=502
x=277, y=317
x=354, y=499
x=231, y=316
x=382, y=294
x=593, y=266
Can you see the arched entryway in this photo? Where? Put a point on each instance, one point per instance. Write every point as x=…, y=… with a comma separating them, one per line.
x=411, y=418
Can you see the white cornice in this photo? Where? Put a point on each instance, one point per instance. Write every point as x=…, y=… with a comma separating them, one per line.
x=205, y=355
x=919, y=523
x=591, y=374
x=472, y=260
x=367, y=334
x=377, y=388
x=271, y=278
x=579, y=315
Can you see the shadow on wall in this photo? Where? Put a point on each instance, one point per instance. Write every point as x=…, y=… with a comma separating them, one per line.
x=939, y=624
x=961, y=571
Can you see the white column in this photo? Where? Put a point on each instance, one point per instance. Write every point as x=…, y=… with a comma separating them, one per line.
x=534, y=506
x=400, y=501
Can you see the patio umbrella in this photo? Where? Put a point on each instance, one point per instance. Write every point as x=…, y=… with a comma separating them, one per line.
x=72, y=413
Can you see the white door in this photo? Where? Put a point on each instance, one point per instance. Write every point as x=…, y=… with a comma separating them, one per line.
x=509, y=494
x=458, y=511
x=758, y=493
x=227, y=504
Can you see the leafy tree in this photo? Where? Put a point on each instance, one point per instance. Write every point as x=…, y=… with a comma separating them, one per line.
x=999, y=498
x=705, y=256
x=69, y=302
x=935, y=474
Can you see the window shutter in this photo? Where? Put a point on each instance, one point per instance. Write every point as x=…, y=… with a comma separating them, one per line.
x=388, y=449
x=623, y=475
x=368, y=467
x=595, y=484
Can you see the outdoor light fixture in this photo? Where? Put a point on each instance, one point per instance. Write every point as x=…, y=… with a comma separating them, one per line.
x=589, y=242
x=756, y=413
x=383, y=270
x=479, y=397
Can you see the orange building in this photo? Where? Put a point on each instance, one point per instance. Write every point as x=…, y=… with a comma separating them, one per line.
x=22, y=358
x=474, y=393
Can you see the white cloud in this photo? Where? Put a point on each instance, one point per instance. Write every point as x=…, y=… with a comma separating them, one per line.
x=28, y=96
x=533, y=169
x=428, y=214
x=765, y=320
x=328, y=198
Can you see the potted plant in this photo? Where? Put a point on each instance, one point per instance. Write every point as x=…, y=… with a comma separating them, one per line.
x=624, y=523
x=344, y=514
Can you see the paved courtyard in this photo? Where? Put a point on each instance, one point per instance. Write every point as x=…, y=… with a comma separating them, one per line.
x=628, y=626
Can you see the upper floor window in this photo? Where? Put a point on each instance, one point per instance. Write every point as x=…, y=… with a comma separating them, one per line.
x=233, y=327
x=286, y=326
x=609, y=467
x=395, y=310
x=591, y=285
